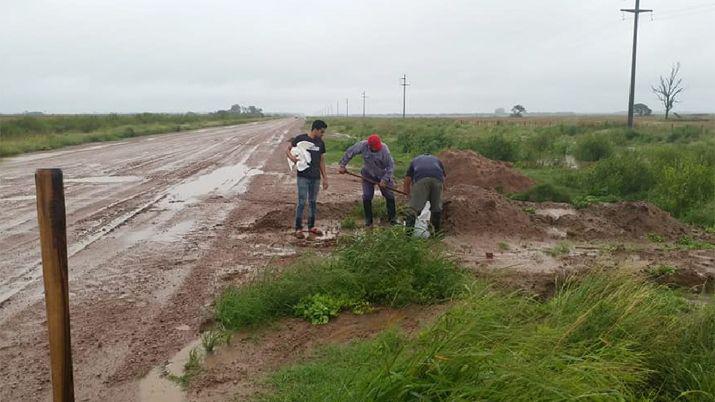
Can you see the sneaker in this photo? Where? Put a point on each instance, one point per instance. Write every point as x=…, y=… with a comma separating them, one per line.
x=299, y=234
x=315, y=231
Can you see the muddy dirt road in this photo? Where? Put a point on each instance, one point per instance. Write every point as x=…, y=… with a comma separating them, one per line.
x=144, y=219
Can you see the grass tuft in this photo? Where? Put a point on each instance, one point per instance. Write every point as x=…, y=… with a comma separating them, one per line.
x=382, y=266
x=604, y=337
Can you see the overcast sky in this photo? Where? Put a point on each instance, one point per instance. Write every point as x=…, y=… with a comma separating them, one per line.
x=74, y=56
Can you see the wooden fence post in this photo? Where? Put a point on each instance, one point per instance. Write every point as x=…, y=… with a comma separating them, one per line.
x=53, y=241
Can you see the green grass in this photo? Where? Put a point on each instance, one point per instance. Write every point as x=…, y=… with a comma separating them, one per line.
x=661, y=270
x=36, y=133
x=688, y=243
x=383, y=267
x=192, y=368
x=562, y=248
x=604, y=337
x=215, y=337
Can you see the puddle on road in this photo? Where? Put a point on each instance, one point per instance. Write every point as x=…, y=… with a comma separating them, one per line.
x=157, y=386
x=168, y=235
x=224, y=181
x=106, y=179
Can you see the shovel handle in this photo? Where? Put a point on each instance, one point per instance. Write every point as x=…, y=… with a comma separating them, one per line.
x=374, y=182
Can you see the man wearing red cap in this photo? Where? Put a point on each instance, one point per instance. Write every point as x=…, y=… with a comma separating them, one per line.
x=378, y=166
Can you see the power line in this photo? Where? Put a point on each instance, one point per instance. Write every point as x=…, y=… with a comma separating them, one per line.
x=404, y=85
x=690, y=9
x=631, y=98
x=685, y=12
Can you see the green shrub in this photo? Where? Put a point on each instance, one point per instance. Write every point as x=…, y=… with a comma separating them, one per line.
x=496, y=147
x=685, y=134
x=320, y=308
x=623, y=175
x=703, y=216
x=423, y=139
x=592, y=147
x=543, y=193
x=684, y=185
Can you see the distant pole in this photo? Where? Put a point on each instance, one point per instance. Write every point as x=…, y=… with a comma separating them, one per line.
x=631, y=98
x=363, y=103
x=404, y=85
x=337, y=108
x=53, y=241
x=347, y=110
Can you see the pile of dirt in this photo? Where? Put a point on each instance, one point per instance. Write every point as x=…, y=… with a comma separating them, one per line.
x=471, y=209
x=622, y=220
x=469, y=167
x=283, y=218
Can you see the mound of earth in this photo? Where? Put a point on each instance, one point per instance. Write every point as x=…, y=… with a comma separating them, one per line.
x=282, y=218
x=469, y=167
x=471, y=209
x=622, y=220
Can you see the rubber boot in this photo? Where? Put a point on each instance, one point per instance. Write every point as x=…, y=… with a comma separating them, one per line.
x=391, y=211
x=410, y=220
x=436, y=220
x=367, y=207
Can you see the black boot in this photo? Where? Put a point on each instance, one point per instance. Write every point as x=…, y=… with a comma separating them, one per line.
x=410, y=220
x=436, y=220
x=391, y=211
x=367, y=208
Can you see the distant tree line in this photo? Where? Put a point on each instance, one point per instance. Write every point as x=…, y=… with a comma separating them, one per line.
x=238, y=110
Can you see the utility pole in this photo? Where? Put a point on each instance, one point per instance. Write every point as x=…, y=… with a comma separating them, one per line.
x=631, y=99
x=404, y=85
x=337, y=108
x=363, y=103
x=347, y=111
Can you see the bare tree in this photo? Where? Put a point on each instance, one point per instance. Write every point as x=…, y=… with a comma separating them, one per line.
x=669, y=89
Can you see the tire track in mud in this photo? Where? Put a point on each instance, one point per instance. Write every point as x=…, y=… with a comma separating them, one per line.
x=107, y=285
x=106, y=224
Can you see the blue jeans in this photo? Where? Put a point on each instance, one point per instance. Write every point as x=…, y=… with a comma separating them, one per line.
x=307, y=190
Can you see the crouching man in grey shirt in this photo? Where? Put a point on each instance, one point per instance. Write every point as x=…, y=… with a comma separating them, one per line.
x=424, y=181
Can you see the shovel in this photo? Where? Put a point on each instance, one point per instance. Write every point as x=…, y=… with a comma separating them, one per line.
x=374, y=182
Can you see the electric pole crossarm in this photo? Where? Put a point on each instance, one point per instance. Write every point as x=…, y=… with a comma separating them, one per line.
x=632, y=10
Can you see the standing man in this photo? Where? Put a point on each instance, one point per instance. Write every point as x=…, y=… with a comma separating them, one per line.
x=379, y=167
x=309, y=177
x=424, y=181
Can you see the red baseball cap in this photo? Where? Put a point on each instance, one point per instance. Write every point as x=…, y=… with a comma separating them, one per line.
x=374, y=142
